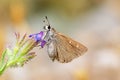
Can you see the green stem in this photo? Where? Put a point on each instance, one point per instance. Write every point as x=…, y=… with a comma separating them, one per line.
x=2, y=69
x=2, y=62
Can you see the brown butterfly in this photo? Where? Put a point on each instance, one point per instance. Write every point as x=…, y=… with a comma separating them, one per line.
x=60, y=47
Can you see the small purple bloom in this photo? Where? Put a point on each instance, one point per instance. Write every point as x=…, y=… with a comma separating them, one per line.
x=43, y=43
x=32, y=35
x=39, y=36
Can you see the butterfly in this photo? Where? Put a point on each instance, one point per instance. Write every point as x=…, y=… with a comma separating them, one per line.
x=59, y=47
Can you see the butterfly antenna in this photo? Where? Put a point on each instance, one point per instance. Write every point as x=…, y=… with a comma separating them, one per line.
x=48, y=23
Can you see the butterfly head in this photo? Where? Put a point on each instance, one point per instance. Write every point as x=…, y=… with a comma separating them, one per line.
x=48, y=26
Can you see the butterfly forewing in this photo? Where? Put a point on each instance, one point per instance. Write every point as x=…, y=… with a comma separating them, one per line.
x=64, y=49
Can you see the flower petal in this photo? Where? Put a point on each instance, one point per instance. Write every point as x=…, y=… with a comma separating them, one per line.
x=43, y=43
x=39, y=36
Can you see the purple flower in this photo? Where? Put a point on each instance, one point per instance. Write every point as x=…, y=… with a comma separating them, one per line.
x=43, y=42
x=39, y=38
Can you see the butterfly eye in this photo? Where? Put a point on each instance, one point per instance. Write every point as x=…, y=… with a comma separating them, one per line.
x=47, y=27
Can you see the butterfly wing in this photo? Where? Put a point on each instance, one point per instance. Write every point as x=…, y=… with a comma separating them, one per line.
x=64, y=49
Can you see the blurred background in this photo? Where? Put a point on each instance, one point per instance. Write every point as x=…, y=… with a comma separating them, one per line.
x=94, y=23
